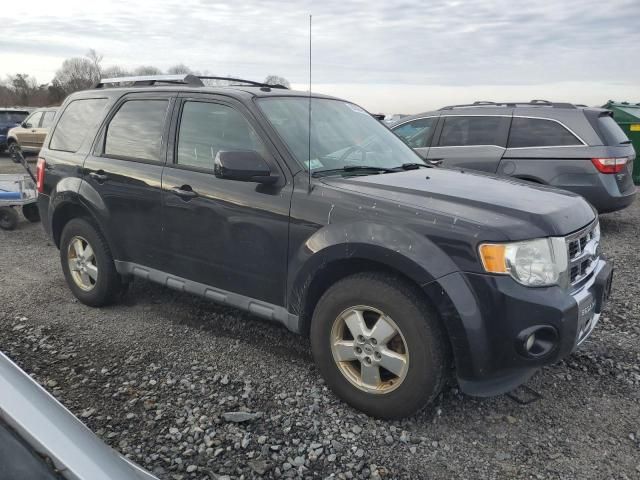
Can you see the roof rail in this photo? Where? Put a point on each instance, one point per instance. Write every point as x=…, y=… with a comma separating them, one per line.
x=241, y=80
x=147, y=80
x=182, y=79
x=532, y=103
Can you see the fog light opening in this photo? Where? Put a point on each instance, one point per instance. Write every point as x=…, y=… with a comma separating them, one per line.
x=537, y=341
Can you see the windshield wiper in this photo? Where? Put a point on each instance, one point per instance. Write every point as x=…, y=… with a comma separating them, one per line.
x=414, y=166
x=354, y=168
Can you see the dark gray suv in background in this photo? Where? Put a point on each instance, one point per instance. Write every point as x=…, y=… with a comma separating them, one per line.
x=567, y=146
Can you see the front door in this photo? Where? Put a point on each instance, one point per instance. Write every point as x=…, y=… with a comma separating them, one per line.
x=125, y=170
x=26, y=133
x=228, y=234
x=470, y=142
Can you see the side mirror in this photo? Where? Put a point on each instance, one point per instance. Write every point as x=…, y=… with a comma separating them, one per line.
x=244, y=166
x=25, y=125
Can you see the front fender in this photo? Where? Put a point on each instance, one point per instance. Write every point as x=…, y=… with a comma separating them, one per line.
x=393, y=246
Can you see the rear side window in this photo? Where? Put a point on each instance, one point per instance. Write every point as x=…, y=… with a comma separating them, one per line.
x=538, y=132
x=611, y=132
x=207, y=128
x=416, y=133
x=466, y=131
x=136, y=130
x=47, y=119
x=77, y=120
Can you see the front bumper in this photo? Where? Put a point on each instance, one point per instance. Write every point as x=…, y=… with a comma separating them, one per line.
x=494, y=314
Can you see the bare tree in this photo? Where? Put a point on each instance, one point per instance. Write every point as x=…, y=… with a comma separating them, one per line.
x=77, y=73
x=115, y=71
x=95, y=58
x=181, y=68
x=277, y=80
x=147, y=70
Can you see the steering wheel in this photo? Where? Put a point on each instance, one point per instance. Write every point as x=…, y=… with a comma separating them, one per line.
x=352, y=149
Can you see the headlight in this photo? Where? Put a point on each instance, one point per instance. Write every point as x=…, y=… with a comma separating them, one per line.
x=534, y=263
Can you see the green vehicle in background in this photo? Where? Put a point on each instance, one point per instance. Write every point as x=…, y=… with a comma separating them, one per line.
x=627, y=115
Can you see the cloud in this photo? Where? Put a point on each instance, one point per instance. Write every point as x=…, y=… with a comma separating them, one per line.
x=404, y=42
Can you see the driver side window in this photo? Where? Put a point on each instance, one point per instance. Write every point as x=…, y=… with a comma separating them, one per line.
x=416, y=133
x=34, y=120
x=207, y=128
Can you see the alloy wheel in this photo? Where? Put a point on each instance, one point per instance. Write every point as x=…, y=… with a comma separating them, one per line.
x=82, y=263
x=369, y=349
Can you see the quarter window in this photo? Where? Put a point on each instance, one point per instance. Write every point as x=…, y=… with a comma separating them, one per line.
x=416, y=134
x=77, y=120
x=465, y=131
x=538, y=132
x=136, y=130
x=207, y=128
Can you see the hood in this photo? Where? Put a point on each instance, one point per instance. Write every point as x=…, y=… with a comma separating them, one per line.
x=5, y=127
x=519, y=210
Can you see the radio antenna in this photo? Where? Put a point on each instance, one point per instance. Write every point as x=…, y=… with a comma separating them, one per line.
x=309, y=139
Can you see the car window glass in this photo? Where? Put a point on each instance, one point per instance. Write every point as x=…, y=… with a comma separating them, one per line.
x=207, y=128
x=136, y=129
x=416, y=133
x=611, y=131
x=47, y=119
x=463, y=131
x=34, y=120
x=538, y=132
x=78, y=118
x=12, y=116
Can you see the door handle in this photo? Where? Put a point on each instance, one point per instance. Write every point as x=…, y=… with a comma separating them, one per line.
x=185, y=192
x=33, y=131
x=99, y=176
x=435, y=161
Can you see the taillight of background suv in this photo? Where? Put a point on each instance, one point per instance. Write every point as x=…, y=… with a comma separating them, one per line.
x=611, y=165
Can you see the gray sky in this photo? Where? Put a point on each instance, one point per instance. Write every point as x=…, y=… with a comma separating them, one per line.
x=391, y=56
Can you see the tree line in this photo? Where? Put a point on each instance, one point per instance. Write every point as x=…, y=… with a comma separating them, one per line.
x=80, y=73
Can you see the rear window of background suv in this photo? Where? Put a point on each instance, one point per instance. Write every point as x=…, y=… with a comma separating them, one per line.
x=78, y=118
x=610, y=132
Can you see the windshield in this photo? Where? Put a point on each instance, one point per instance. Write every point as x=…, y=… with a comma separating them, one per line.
x=342, y=135
x=12, y=117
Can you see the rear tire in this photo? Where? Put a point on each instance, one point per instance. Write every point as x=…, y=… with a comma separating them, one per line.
x=416, y=354
x=31, y=212
x=87, y=264
x=8, y=218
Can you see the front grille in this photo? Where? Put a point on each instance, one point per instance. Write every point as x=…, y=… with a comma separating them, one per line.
x=583, y=248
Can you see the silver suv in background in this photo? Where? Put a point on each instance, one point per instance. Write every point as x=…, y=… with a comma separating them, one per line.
x=567, y=146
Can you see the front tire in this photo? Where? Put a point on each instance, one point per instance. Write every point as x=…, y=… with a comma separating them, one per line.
x=87, y=264
x=31, y=212
x=379, y=345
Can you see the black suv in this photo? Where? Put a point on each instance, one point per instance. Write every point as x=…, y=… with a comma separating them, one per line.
x=400, y=274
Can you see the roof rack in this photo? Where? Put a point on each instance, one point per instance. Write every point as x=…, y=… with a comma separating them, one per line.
x=183, y=79
x=148, y=80
x=532, y=103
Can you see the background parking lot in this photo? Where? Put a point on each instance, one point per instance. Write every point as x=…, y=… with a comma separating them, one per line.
x=162, y=376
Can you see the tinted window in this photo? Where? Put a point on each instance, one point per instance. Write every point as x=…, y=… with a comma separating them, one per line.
x=34, y=120
x=47, y=119
x=537, y=132
x=416, y=133
x=207, y=128
x=136, y=129
x=78, y=118
x=12, y=116
x=462, y=131
x=611, y=131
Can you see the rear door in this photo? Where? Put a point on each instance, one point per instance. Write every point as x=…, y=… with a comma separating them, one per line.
x=417, y=133
x=125, y=170
x=470, y=141
x=229, y=234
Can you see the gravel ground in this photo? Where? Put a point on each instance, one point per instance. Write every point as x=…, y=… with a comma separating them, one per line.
x=192, y=390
